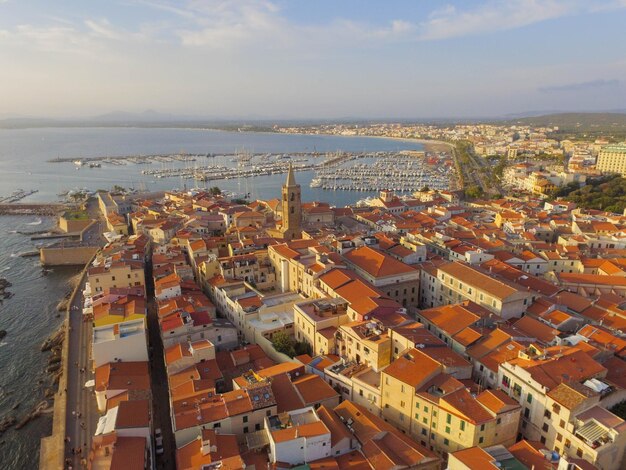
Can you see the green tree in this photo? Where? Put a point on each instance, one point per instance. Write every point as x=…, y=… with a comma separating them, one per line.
x=215, y=191
x=474, y=192
x=283, y=343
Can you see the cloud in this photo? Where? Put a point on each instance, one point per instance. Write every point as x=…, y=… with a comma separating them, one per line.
x=582, y=86
x=450, y=22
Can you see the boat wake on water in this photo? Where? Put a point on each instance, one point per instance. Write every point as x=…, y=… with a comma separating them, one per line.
x=36, y=222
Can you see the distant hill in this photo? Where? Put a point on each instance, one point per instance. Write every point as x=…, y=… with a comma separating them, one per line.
x=594, y=123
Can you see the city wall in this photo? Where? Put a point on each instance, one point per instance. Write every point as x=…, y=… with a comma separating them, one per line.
x=52, y=451
x=67, y=256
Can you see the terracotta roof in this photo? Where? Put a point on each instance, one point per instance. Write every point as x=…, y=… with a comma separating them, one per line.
x=471, y=276
x=413, y=368
x=377, y=264
x=529, y=453
x=383, y=445
x=133, y=414
x=570, y=395
x=497, y=401
x=129, y=453
x=475, y=458
x=313, y=389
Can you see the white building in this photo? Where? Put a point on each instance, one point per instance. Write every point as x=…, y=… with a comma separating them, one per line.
x=297, y=437
x=119, y=342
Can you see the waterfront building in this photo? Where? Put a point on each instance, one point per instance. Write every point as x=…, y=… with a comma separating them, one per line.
x=116, y=274
x=119, y=342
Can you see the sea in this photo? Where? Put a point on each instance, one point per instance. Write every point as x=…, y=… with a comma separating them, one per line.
x=30, y=315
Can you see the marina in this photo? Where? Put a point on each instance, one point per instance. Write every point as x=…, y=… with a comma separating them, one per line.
x=401, y=171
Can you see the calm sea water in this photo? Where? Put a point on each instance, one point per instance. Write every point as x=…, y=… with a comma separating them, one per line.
x=24, y=154
x=30, y=316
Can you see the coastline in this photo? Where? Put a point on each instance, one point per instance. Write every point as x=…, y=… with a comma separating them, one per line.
x=429, y=144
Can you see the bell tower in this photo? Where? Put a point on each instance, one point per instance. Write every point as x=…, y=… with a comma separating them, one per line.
x=291, y=207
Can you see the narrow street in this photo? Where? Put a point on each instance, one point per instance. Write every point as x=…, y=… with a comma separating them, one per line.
x=82, y=413
x=158, y=377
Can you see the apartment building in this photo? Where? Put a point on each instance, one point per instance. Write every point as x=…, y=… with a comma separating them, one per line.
x=397, y=280
x=119, y=342
x=117, y=274
x=454, y=282
x=423, y=399
x=239, y=412
x=297, y=437
x=579, y=427
x=612, y=159
x=316, y=322
x=529, y=377
x=364, y=342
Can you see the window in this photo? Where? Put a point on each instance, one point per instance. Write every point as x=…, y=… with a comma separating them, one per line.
x=526, y=412
x=245, y=419
x=426, y=409
x=482, y=427
x=544, y=428
x=556, y=408
x=481, y=440
x=462, y=425
x=562, y=423
x=547, y=414
x=446, y=442
x=417, y=416
x=529, y=398
x=506, y=381
x=543, y=439
x=579, y=452
x=447, y=429
x=449, y=418
x=559, y=437
x=245, y=430
x=423, y=431
x=402, y=404
x=268, y=413
x=425, y=420
x=567, y=443
x=498, y=421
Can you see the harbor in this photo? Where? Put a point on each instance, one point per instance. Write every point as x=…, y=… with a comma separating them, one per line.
x=401, y=171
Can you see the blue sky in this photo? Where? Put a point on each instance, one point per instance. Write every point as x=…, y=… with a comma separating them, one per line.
x=311, y=59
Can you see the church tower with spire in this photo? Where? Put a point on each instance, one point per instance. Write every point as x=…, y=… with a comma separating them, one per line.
x=291, y=205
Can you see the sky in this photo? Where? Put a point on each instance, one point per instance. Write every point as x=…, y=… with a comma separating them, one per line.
x=311, y=58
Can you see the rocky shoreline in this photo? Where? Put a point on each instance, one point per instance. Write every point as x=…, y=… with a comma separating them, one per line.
x=52, y=344
x=4, y=293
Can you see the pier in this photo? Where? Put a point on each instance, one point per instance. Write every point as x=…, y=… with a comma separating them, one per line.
x=31, y=209
x=17, y=195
